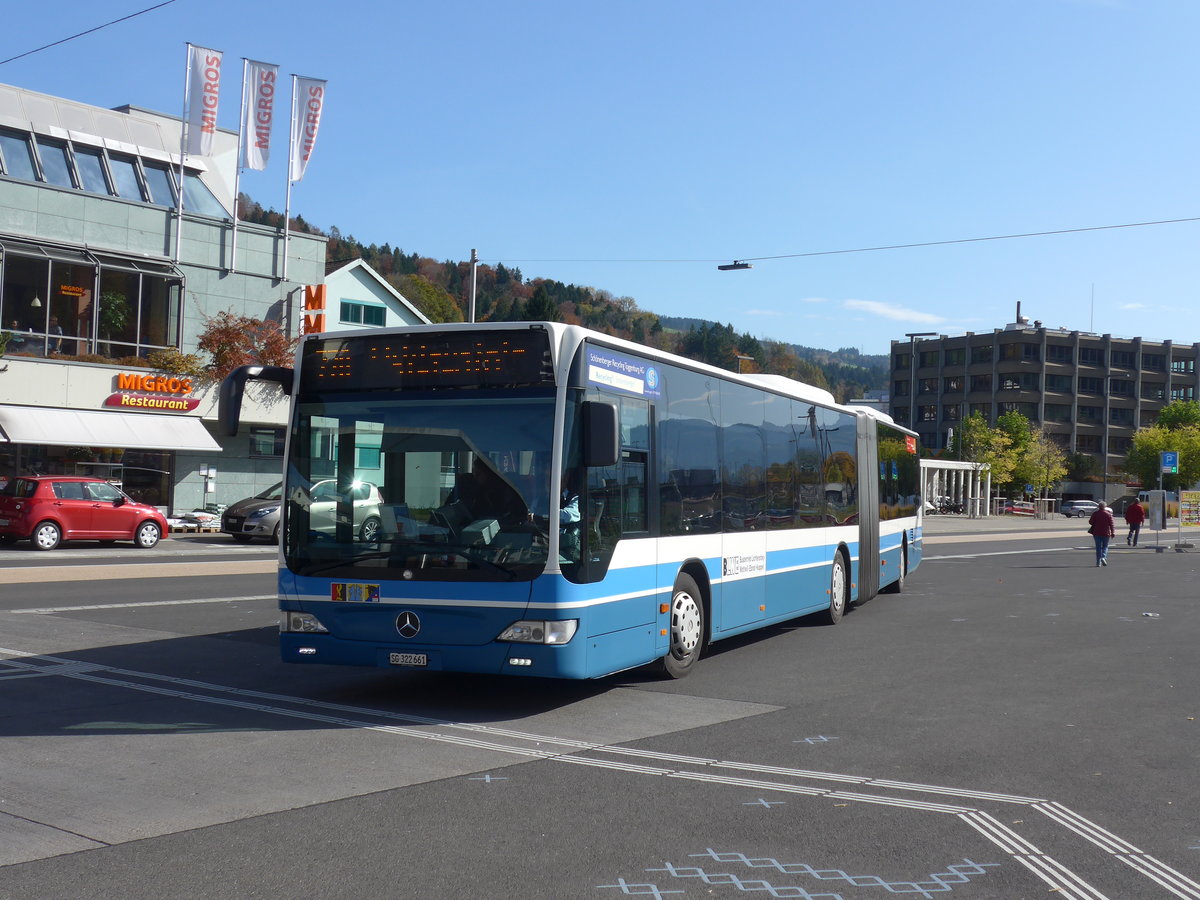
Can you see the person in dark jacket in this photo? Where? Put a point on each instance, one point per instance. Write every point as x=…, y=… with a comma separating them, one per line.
x=1135, y=515
x=1101, y=528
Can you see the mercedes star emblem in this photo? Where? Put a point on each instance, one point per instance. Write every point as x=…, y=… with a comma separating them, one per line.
x=408, y=624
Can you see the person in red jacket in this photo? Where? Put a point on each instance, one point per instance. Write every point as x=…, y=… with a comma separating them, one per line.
x=1135, y=515
x=1101, y=528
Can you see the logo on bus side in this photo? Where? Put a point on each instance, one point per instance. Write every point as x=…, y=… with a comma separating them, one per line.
x=408, y=624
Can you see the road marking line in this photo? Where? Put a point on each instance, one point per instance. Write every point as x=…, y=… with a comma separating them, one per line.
x=1003, y=553
x=1045, y=867
x=41, y=574
x=48, y=610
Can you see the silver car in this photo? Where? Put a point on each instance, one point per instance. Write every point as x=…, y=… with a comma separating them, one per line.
x=1079, y=508
x=256, y=516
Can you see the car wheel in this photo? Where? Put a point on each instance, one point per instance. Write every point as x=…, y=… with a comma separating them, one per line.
x=46, y=536
x=370, y=530
x=148, y=534
x=687, y=628
x=837, y=591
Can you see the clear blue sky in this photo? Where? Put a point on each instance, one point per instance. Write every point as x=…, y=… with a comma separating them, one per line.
x=631, y=146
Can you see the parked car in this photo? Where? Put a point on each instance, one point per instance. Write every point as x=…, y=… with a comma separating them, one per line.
x=1079, y=508
x=255, y=517
x=50, y=509
x=258, y=516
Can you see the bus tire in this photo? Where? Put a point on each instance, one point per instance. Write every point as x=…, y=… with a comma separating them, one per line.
x=898, y=585
x=838, y=591
x=686, y=628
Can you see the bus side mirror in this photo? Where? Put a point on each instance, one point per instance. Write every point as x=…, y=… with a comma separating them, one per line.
x=233, y=388
x=600, y=435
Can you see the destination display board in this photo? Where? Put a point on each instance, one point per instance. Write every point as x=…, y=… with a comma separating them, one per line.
x=428, y=361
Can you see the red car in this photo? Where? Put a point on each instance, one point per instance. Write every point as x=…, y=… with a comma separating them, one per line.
x=50, y=509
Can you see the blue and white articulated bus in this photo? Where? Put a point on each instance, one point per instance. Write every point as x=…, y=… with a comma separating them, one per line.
x=540, y=499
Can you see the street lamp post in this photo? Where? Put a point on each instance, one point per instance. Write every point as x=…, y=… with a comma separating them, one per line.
x=912, y=376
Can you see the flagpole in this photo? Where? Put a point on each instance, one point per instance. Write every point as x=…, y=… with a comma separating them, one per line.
x=287, y=203
x=237, y=178
x=183, y=136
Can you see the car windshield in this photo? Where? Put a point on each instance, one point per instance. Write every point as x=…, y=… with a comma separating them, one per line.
x=274, y=492
x=433, y=487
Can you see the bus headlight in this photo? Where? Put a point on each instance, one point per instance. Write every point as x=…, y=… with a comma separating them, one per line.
x=302, y=622
x=531, y=631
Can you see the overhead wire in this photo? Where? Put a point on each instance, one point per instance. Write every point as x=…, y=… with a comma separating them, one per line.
x=89, y=31
x=943, y=243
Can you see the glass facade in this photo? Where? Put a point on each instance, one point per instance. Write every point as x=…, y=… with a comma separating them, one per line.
x=74, y=304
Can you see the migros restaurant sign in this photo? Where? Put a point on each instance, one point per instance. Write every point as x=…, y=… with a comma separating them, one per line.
x=153, y=392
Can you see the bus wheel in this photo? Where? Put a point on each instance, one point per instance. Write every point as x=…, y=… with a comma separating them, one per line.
x=837, y=591
x=898, y=585
x=687, y=628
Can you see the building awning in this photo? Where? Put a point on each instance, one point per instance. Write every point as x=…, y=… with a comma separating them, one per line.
x=93, y=428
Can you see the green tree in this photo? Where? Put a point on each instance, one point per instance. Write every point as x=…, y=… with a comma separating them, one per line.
x=1179, y=413
x=1041, y=462
x=540, y=307
x=977, y=443
x=1144, y=461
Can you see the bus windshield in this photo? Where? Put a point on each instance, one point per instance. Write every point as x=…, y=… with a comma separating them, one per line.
x=420, y=486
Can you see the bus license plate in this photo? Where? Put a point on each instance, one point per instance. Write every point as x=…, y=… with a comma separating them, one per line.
x=408, y=659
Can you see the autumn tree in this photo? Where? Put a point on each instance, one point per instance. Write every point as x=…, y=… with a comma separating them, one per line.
x=231, y=340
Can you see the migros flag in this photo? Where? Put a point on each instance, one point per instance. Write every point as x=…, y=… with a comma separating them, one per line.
x=204, y=96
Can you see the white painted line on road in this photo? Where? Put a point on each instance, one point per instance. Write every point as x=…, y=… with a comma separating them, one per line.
x=1066, y=882
x=1002, y=553
x=49, y=610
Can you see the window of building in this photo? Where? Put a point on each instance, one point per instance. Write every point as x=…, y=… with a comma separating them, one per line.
x=93, y=168
x=1121, y=387
x=1059, y=383
x=266, y=441
x=1120, y=444
x=1091, y=414
x=1183, y=366
x=1091, y=385
x=56, y=162
x=1148, y=418
x=900, y=388
x=1058, y=412
x=981, y=383
x=355, y=313
x=1153, y=390
x=1120, y=415
x=1124, y=359
x=16, y=155
x=1059, y=353
x=951, y=412
x=927, y=386
x=1018, y=381
x=983, y=409
x=953, y=385
x=90, y=165
x=1183, y=393
x=901, y=361
x=1091, y=356
x=1028, y=410
x=1154, y=362
x=901, y=413
x=1087, y=443
x=956, y=357
x=928, y=359
x=161, y=184
x=77, y=305
x=1020, y=351
x=927, y=413
x=982, y=354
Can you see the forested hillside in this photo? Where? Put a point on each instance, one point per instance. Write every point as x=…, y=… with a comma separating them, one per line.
x=441, y=290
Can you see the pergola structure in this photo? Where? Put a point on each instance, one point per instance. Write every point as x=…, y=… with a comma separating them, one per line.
x=966, y=484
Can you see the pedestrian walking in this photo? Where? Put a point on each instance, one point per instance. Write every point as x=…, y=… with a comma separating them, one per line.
x=1135, y=515
x=1101, y=528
